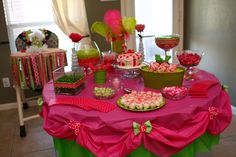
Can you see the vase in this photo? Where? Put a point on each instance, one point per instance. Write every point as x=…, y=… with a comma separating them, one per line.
x=118, y=43
x=74, y=60
x=140, y=47
x=100, y=76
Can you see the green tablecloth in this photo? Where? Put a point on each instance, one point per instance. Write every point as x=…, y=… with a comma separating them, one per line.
x=204, y=143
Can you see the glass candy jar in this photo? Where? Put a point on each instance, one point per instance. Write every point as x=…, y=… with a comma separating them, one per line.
x=190, y=60
x=68, y=82
x=88, y=52
x=109, y=57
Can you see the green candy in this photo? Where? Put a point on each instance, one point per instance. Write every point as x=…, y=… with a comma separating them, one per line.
x=103, y=92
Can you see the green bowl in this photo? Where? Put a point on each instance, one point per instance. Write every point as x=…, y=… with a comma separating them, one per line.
x=158, y=80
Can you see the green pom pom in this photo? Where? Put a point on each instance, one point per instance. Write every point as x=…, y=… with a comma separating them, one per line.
x=129, y=24
x=100, y=28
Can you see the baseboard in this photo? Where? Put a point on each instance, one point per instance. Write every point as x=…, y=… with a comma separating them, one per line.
x=9, y=106
x=234, y=110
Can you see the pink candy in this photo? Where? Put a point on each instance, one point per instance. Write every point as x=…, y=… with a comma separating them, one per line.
x=174, y=93
x=189, y=59
x=163, y=67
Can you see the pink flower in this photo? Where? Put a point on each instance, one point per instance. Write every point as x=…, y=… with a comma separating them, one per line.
x=140, y=27
x=75, y=37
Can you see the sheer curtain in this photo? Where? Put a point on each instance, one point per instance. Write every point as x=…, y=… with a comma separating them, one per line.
x=70, y=16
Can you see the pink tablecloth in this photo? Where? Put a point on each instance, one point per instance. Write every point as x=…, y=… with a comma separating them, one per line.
x=111, y=134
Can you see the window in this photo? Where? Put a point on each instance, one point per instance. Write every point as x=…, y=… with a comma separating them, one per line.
x=161, y=17
x=22, y=15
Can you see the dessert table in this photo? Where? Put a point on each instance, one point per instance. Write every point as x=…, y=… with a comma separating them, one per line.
x=81, y=127
x=32, y=71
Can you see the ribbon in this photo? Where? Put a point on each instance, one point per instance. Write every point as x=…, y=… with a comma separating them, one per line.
x=73, y=125
x=146, y=127
x=225, y=87
x=160, y=60
x=213, y=112
x=40, y=101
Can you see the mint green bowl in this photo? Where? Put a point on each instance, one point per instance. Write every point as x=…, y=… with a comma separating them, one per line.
x=158, y=80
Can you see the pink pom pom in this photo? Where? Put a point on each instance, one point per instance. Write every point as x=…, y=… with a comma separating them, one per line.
x=113, y=19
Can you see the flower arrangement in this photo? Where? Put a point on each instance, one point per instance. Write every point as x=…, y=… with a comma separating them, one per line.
x=139, y=28
x=99, y=67
x=75, y=37
x=99, y=72
x=114, y=27
x=35, y=40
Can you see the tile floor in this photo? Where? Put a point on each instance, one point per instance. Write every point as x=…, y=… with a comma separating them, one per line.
x=38, y=144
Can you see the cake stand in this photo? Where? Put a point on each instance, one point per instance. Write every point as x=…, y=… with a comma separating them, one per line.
x=129, y=72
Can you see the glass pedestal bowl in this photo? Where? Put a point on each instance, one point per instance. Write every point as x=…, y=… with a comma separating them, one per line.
x=190, y=60
x=174, y=92
x=167, y=42
x=104, y=92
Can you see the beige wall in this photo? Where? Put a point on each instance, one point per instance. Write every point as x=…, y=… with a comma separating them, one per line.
x=6, y=94
x=210, y=25
x=95, y=11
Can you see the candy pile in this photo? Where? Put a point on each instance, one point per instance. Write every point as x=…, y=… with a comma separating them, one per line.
x=174, y=93
x=140, y=100
x=189, y=58
x=162, y=67
x=103, y=92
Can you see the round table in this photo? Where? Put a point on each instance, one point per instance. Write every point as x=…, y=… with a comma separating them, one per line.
x=175, y=126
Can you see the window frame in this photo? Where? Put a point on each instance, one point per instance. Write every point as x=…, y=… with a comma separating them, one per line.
x=11, y=27
x=128, y=9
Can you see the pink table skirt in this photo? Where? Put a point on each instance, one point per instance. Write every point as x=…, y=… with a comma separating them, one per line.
x=111, y=134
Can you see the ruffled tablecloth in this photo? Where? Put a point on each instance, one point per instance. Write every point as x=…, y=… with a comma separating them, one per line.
x=33, y=70
x=173, y=127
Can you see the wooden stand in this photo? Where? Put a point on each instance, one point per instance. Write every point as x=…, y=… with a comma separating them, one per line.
x=22, y=119
x=40, y=63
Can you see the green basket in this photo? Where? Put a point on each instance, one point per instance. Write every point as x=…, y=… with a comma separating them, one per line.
x=160, y=80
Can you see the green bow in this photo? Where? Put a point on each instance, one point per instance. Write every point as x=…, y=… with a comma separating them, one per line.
x=160, y=60
x=147, y=127
x=225, y=87
x=40, y=101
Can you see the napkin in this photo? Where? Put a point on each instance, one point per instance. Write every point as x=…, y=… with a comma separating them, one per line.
x=200, y=89
x=84, y=103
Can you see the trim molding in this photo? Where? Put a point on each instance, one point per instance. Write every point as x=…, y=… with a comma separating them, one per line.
x=234, y=110
x=13, y=105
x=127, y=8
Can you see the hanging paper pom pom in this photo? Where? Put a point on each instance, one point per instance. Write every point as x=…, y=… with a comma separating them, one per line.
x=113, y=19
x=129, y=24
